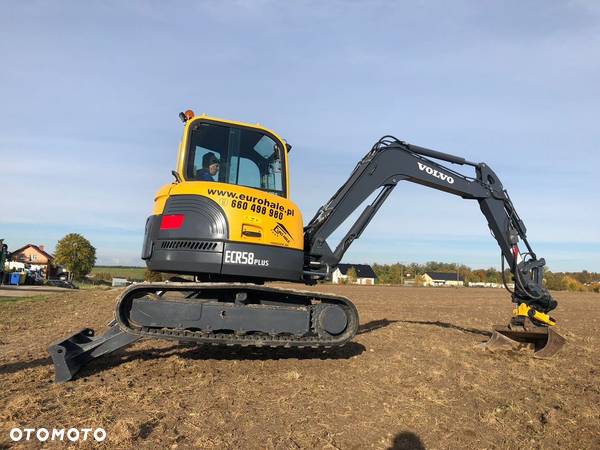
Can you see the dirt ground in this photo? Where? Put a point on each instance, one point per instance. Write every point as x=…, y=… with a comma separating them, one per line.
x=413, y=377
x=28, y=291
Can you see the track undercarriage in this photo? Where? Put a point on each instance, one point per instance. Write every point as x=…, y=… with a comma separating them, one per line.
x=231, y=314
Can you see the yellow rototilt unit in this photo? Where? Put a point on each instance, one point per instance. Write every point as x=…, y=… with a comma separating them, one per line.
x=228, y=222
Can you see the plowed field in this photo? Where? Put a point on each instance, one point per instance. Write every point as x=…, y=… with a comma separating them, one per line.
x=413, y=377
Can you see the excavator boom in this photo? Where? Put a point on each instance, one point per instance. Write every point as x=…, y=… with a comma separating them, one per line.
x=391, y=161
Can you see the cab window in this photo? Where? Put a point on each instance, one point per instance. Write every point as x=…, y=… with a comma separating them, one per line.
x=235, y=155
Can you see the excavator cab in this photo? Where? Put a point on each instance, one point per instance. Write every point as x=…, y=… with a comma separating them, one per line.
x=247, y=157
x=227, y=214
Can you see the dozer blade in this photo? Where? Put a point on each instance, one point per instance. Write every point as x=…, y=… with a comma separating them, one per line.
x=544, y=340
x=73, y=352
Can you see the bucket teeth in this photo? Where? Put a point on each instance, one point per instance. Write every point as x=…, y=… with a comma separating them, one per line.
x=544, y=340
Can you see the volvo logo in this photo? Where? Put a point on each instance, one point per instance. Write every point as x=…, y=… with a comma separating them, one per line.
x=435, y=173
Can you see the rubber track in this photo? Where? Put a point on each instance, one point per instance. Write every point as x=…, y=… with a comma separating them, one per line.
x=227, y=339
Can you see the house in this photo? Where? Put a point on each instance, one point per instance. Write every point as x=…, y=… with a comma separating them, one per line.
x=32, y=257
x=364, y=274
x=442, y=279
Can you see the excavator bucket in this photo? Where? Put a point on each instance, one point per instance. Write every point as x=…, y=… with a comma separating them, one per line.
x=544, y=341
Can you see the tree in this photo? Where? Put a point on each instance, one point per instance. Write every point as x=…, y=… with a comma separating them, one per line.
x=572, y=284
x=75, y=253
x=352, y=275
x=492, y=276
x=3, y=256
x=554, y=281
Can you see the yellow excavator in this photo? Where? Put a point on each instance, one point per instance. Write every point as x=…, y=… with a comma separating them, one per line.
x=227, y=221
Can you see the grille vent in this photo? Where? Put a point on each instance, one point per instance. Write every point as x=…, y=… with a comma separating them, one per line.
x=206, y=246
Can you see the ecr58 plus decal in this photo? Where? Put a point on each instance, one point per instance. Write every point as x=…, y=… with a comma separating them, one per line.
x=237, y=257
x=436, y=173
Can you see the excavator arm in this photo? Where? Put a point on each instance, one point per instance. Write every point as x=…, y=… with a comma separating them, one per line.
x=391, y=161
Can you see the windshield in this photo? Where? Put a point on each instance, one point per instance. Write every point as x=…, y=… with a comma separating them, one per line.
x=235, y=155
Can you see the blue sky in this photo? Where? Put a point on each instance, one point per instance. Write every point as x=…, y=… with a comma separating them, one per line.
x=89, y=97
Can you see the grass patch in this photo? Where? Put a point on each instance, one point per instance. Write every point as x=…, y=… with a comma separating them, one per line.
x=92, y=287
x=131, y=273
x=32, y=298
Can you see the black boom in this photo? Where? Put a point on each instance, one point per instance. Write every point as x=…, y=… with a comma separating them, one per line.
x=391, y=161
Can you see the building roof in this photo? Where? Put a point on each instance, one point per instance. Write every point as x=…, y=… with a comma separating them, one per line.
x=46, y=254
x=362, y=270
x=445, y=276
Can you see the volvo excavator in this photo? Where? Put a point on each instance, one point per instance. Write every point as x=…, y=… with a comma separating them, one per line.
x=227, y=222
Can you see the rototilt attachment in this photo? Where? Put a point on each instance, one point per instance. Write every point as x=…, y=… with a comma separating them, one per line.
x=527, y=329
x=72, y=353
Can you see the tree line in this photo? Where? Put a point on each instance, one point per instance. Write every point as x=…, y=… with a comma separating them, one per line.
x=560, y=281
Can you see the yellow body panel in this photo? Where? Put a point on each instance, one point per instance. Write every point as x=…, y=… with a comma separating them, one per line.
x=254, y=216
x=161, y=198
x=266, y=218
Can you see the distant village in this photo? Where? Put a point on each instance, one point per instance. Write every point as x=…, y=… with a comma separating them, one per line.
x=440, y=274
x=364, y=274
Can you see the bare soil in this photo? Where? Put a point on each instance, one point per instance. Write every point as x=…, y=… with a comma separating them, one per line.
x=28, y=291
x=414, y=377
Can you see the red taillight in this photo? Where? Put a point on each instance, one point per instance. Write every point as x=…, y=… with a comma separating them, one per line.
x=172, y=222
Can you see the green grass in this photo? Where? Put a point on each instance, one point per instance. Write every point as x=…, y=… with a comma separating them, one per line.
x=91, y=287
x=131, y=273
x=32, y=298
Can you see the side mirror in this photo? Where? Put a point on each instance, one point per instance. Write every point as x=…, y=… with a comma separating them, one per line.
x=177, y=177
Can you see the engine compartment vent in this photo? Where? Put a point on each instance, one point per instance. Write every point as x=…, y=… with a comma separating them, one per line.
x=203, y=246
